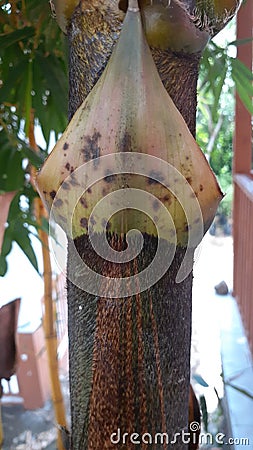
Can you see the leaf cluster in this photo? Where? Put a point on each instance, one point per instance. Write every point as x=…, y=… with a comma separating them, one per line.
x=221, y=73
x=33, y=90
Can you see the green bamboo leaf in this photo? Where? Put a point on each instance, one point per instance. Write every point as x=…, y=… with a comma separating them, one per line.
x=35, y=158
x=246, y=85
x=18, y=230
x=11, y=171
x=239, y=389
x=8, y=39
x=35, y=8
x=245, y=72
x=243, y=78
x=28, y=97
x=30, y=194
x=243, y=93
x=11, y=80
x=56, y=80
x=204, y=110
x=218, y=90
x=50, y=99
x=203, y=407
x=23, y=240
x=14, y=211
x=239, y=42
x=7, y=243
x=3, y=266
x=247, y=101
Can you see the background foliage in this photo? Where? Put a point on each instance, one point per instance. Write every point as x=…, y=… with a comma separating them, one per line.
x=221, y=73
x=34, y=90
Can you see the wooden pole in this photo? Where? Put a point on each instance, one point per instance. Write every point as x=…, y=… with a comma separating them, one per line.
x=242, y=161
x=243, y=126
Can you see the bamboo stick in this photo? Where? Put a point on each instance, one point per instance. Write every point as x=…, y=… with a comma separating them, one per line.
x=48, y=311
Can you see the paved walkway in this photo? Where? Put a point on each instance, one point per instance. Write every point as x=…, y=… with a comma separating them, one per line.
x=219, y=344
x=213, y=264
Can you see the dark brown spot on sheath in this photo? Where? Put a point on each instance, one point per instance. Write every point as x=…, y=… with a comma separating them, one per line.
x=84, y=223
x=189, y=180
x=73, y=181
x=167, y=198
x=52, y=194
x=83, y=202
x=66, y=186
x=67, y=166
x=65, y=146
x=125, y=143
x=62, y=219
x=156, y=205
x=92, y=221
x=91, y=150
x=109, y=178
x=201, y=187
x=58, y=202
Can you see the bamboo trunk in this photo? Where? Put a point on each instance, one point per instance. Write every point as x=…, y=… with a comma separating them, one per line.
x=130, y=370
x=129, y=358
x=49, y=317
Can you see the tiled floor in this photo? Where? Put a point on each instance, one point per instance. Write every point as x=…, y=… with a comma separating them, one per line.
x=219, y=343
x=237, y=370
